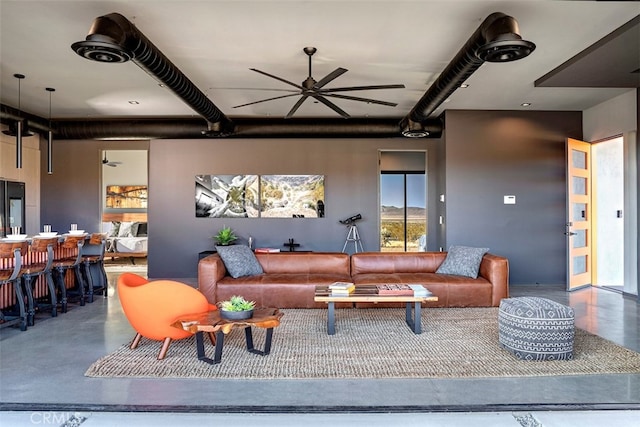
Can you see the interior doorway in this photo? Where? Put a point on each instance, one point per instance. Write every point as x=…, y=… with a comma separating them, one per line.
x=608, y=191
x=403, y=201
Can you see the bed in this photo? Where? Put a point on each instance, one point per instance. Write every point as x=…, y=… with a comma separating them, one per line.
x=126, y=234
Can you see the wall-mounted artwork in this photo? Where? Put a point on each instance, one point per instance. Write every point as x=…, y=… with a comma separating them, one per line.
x=253, y=196
x=227, y=196
x=126, y=197
x=291, y=196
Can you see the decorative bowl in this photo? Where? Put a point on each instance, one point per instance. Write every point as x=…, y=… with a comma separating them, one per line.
x=16, y=237
x=48, y=234
x=236, y=315
x=76, y=232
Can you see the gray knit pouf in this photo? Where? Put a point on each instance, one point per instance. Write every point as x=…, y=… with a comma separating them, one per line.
x=535, y=328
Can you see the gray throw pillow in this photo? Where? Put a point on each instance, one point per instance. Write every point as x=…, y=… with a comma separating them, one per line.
x=462, y=261
x=115, y=228
x=239, y=260
x=128, y=229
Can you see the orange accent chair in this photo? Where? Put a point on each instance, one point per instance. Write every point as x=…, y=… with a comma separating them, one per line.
x=152, y=306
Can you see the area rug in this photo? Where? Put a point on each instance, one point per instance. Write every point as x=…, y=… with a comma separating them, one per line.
x=369, y=343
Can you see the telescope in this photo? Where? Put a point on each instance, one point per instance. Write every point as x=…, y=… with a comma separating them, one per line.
x=351, y=219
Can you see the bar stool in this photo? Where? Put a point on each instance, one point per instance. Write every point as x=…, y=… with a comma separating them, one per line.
x=41, y=249
x=93, y=265
x=11, y=254
x=64, y=263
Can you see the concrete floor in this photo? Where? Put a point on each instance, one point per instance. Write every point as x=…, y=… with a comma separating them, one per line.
x=42, y=382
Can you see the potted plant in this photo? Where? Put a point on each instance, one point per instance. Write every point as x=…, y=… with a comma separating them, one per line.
x=236, y=308
x=225, y=236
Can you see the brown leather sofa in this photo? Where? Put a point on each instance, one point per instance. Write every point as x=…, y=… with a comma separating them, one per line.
x=290, y=278
x=487, y=290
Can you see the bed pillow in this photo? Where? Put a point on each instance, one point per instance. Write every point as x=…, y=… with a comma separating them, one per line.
x=128, y=229
x=462, y=261
x=142, y=229
x=239, y=260
x=115, y=228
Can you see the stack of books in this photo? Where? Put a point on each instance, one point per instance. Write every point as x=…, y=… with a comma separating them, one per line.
x=266, y=250
x=342, y=288
x=394, y=289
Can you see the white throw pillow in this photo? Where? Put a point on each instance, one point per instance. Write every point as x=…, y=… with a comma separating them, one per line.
x=128, y=229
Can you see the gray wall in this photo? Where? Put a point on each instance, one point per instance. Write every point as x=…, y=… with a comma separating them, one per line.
x=490, y=154
x=483, y=156
x=350, y=167
x=72, y=193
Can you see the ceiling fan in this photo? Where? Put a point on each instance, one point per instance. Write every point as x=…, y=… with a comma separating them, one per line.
x=106, y=162
x=316, y=89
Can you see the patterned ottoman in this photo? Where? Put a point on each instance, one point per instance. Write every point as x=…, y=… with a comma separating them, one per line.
x=535, y=328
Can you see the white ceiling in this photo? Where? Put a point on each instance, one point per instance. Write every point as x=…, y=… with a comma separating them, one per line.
x=215, y=43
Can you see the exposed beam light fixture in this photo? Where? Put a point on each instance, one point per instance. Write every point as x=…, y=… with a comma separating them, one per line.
x=50, y=136
x=497, y=39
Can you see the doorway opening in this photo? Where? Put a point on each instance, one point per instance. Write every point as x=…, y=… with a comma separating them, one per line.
x=403, y=201
x=608, y=192
x=124, y=182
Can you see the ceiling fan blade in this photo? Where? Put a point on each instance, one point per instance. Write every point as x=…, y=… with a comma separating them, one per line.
x=352, y=88
x=277, y=78
x=329, y=77
x=331, y=105
x=296, y=106
x=356, y=98
x=268, y=99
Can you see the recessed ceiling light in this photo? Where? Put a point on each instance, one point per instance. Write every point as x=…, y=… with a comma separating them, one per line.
x=525, y=104
x=134, y=102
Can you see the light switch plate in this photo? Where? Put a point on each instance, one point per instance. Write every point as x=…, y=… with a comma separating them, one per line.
x=509, y=200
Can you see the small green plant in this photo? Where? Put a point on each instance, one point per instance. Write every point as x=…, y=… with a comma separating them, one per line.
x=225, y=236
x=237, y=303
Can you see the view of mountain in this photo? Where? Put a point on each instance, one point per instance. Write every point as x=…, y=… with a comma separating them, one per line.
x=393, y=212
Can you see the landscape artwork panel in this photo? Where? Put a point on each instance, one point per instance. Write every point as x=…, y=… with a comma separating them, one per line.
x=291, y=196
x=227, y=196
x=126, y=197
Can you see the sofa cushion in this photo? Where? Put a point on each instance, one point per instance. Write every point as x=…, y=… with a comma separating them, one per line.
x=462, y=261
x=239, y=260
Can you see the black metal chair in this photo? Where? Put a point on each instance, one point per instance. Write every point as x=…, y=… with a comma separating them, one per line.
x=41, y=250
x=93, y=265
x=11, y=254
x=70, y=258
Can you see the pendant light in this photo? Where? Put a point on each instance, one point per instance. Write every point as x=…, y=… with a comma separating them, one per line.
x=19, y=126
x=50, y=136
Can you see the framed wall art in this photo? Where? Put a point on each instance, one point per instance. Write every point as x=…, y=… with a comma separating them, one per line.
x=291, y=196
x=227, y=196
x=126, y=197
x=259, y=196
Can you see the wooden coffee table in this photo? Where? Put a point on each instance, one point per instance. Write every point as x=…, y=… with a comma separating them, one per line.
x=212, y=323
x=368, y=293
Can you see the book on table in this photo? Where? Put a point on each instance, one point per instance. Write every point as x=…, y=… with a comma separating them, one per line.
x=394, y=289
x=420, y=291
x=266, y=250
x=342, y=288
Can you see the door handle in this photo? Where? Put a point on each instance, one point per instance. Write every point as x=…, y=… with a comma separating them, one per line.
x=569, y=233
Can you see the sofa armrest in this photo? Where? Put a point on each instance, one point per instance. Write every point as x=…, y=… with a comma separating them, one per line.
x=210, y=270
x=495, y=269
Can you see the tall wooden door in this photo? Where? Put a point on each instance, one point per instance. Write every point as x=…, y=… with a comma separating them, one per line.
x=579, y=218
